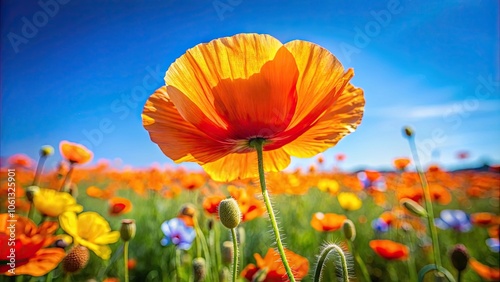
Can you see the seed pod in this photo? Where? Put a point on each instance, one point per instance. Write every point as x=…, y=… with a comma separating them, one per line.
x=76, y=259
x=349, y=230
x=414, y=207
x=229, y=213
x=127, y=230
x=459, y=257
x=199, y=269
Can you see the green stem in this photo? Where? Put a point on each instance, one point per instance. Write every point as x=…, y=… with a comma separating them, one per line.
x=428, y=203
x=331, y=248
x=67, y=179
x=361, y=263
x=39, y=168
x=459, y=276
x=235, y=256
x=178, y=264
x=125, y=260
x=258, y=144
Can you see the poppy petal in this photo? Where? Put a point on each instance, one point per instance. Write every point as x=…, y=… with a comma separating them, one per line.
x=244, y=165
x=177, y=138
x=42, y=263
x=340, y=119
x=202, y=67
x=320, y=82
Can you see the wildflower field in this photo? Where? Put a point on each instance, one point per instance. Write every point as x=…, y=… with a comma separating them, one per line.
x=311, y=205
x=241, y=107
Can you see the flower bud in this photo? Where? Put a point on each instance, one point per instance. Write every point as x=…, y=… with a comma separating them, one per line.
x=199, y=269
x=459, y=257
x=76, y=259
x=414, y=207
x=227, y=252
x=188, y=210
x=127, y=230
x=349, y=230
x=229, y=213
x=408, y=132
x=31, y=191
x=46, y=151
x=224, y=274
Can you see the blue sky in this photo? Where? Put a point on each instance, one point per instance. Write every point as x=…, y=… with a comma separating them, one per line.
x=82, y=71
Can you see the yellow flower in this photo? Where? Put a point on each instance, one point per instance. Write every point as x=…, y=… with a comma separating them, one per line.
x=91, y=230
x=328, y=185
x=53, y=203
x=349, y=201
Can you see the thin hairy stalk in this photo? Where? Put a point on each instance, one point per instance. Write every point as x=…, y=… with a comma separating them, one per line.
x=331, y=248
x=428, y=203
x=360, y=262
x=235, y=256
x=258, y=144
x=125, y=260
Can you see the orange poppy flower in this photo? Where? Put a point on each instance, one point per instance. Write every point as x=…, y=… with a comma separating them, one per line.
x=390, y=250
x=486, y=272
x=31, y=255
x=98, y=193
x=221, y=95
x=119, y=206
x=327, y=221
x=75, y=153
x=211, y=204
x=401, y=163
x=250, y=206
x=193, y=181
x=494, y=231
x=21, y=161
x=272, y=265
x=484, y=218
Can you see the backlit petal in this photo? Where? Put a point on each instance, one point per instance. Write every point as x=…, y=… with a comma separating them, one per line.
x=177, y=138
x=202, y=67
x=42, y=263
x=234, y=166
x=340, y=119
x=321, y=80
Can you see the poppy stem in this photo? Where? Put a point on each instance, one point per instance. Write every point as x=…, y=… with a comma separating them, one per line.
x=125, y=259
x=67, y=179
x=329, y=249
x=258, y=144
x=428, y=202
x=39, y=168
x=361, y=263
x=235, y=256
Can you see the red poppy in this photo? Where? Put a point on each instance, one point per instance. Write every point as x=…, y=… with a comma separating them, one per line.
x=211, y=204
x=119, y=206
x=32, y=257
x=390, y=250
x=273, y=267
x=21, y=161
